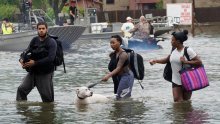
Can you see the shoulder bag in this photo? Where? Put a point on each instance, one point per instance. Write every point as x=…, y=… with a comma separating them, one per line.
x=193, y=78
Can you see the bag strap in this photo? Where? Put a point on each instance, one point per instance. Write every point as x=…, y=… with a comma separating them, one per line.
x=173, y=48
x=186, y=54
x=64, y=66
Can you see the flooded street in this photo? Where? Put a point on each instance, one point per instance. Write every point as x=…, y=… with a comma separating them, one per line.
x=86, y=63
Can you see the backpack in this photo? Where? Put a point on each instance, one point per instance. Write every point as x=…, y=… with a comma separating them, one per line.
x=136, y=64
x=59, y=58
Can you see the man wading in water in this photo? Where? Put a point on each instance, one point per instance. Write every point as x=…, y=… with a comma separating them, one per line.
x=40, y=66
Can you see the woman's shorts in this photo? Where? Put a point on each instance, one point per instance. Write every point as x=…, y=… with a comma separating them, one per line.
x=175, y=85
x=125, y=85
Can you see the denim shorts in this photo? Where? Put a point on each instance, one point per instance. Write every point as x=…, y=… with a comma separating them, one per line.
x=125, y=85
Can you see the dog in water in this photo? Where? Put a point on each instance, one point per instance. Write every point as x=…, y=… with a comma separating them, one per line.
x=85, y=96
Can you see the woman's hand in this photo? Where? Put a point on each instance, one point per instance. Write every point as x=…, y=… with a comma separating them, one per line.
x=106, y=77
x=153, y=61
x=183, y=60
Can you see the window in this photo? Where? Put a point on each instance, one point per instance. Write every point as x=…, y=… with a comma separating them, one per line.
x=110, y=1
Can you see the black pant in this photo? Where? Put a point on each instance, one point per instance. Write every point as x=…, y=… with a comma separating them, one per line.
x=44, y=85
x=72, y=20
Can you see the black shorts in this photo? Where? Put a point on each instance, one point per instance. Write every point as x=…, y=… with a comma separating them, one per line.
x=175, y=85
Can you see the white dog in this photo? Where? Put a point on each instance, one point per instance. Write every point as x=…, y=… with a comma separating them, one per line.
x=85, y=96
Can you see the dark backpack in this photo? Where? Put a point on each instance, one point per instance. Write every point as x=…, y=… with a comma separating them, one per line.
x=136, y=64
x=59, y=58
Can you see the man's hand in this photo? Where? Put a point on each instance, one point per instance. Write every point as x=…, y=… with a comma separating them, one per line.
x=22, y=63
x=29, y=63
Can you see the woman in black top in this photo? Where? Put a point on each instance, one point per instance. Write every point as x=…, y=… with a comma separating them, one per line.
x=122, y=77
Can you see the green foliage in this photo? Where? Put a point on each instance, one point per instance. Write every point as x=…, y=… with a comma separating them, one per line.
x=80, y=10
x=50, y=12
x=159, y=5
x=7, y=11
x=40, y=4
x=10, y=2
x=65, y=9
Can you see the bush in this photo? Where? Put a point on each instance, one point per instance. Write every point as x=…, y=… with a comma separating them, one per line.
x=50, y=13
x=159, y=5
x=65, y=9
x=8, y=11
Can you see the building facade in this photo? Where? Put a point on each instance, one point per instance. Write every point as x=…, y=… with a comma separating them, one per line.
x=82, y=4
x=198, y=3
x=142, y=4
x=111, y=5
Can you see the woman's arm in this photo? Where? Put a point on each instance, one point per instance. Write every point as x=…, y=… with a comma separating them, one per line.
x=194, y=61
x=160, y=61
x=122, y=58
x=194, y=58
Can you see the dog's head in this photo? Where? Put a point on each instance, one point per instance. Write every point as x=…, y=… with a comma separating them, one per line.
x=83, y=92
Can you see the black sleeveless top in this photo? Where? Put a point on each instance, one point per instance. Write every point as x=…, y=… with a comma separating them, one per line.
x=114, y=61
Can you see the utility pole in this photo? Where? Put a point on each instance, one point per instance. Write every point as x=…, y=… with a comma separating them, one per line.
x=193, y=18
x=173, y=1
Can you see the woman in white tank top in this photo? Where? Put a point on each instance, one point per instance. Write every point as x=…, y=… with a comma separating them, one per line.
x=176, y=59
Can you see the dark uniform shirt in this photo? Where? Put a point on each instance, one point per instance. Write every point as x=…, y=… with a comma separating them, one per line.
x=43, y=53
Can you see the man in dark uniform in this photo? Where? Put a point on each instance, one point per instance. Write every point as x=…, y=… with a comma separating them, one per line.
x=73, y=12
x=40, y=66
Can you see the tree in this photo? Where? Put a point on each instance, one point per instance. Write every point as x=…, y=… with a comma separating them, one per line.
x=159, y=5
x=10, y=2
x=39, y=4
x=57, y=6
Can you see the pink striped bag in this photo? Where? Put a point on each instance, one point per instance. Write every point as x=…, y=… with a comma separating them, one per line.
x=194, y=78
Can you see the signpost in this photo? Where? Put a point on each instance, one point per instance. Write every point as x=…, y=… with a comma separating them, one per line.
x=180, y=13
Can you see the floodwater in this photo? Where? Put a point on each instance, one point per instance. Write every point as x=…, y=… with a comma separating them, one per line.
x=86, y=63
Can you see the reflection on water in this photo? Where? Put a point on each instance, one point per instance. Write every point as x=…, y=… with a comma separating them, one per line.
x=35, y=112
x=87, y=63
x=184, y=113
x=128, y=112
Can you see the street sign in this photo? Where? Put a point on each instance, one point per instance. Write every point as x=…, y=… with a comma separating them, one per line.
x=180, y=13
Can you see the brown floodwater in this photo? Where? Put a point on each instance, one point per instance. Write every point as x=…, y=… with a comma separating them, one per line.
x=87, y=63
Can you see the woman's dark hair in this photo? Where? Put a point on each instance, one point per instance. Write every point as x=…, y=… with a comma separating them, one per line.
x=42, y=23
x=118, y=38
x=181, y=36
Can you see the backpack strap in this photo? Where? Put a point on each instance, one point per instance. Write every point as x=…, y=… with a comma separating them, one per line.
x=186, y=53
x=120, y=54
x=64, y=66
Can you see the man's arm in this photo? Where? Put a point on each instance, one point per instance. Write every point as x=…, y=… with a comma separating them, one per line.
x=71, y=12
x=26, y=51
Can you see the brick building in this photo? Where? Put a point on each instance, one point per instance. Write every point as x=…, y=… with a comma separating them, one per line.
x=111, y=5
x=198, y=3
x=142, y=4
x=98, y=4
